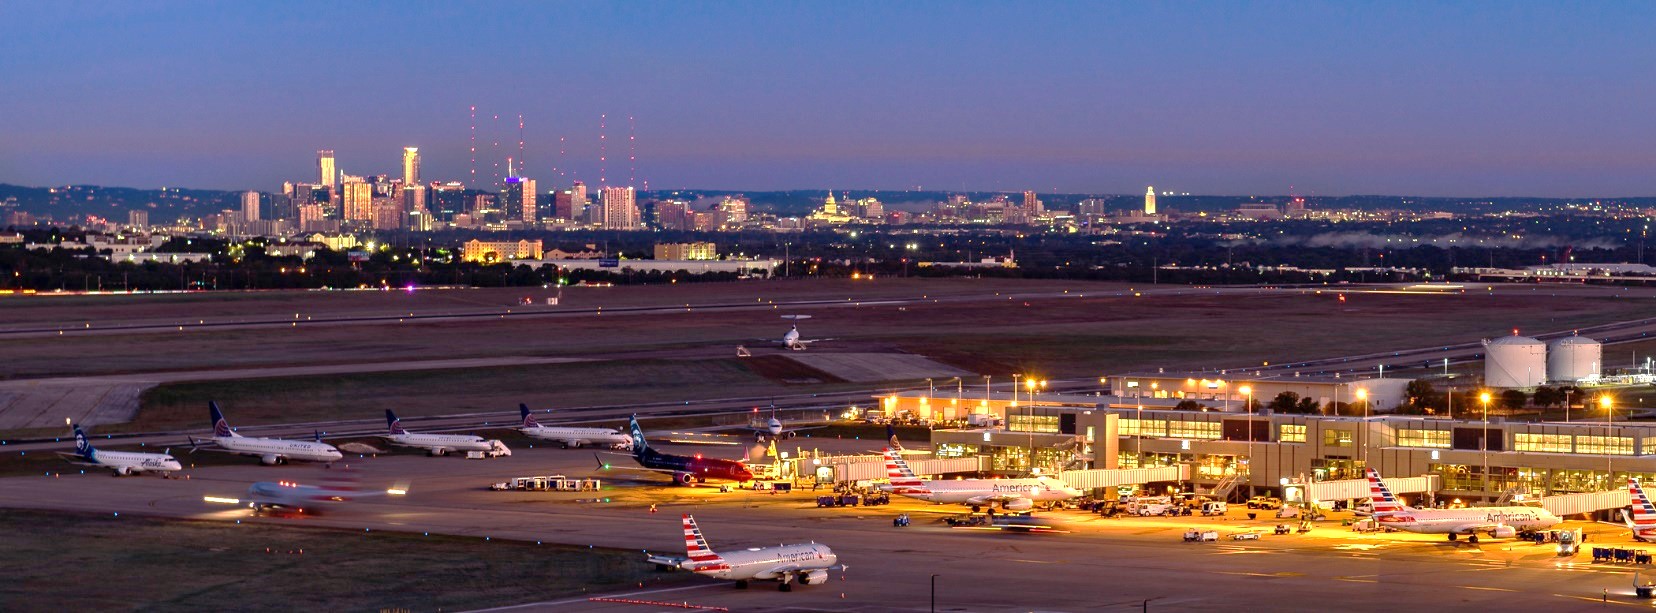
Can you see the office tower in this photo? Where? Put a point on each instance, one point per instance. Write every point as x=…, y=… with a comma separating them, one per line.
x=250, y=206
x=563, y=205
x=871, y=209
x=411, y=166
x=138, y=218
x=672, y=215
x=580, y=193
x=620, y=208
x=325, y=168
x=735, y=210
x=358, y=197
x=414, y=198
x=309, y=216
x=1150, y=200
x=445, y=200
x=518, y=199
x=388, y=214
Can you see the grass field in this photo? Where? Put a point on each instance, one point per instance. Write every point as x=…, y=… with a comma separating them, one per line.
x=64, y=562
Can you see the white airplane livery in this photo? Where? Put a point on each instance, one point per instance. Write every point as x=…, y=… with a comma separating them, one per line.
x=1642, y=518
x=436, y=444
x=271, y=451
x=302, y=498
x=792, y=341
x=1498, y=522
x=1013, y=494
x=806, y=564
x=572, y=437
x=121, y=462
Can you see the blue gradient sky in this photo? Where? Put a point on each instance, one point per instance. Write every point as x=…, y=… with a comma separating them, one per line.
x=1214, y=98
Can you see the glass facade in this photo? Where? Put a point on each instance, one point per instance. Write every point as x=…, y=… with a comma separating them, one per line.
x=1156, y=428
x=1193, y=429
x=1032, y=423
x=1431, y=439
x=1546, y=443
x=1291, y=433
x=1608, y=445
x=1337, y=438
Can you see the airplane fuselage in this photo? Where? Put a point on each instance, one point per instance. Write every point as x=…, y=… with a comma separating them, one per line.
x=1465, y=521
x=444, y=442
x=965, y=491
x=279, y=448
x=579, y=437
x=757, y=563
x=124, y=462
x=699, y=468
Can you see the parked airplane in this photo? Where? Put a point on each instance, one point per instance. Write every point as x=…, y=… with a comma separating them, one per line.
x=122, y=462
x=1014, y=494
x=685, y=469
x=807, y=564
x=1499, y=522
x=271, y=495
x=271, y=451
x=773, y=427
x=436, y=444
x=1642, y=521
x=792, y=341
x=571, y=437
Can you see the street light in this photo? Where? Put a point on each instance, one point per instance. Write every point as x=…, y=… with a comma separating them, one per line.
x=1484, y=442
x=1362, y=397
x=1609, y=435
x=1247, y=393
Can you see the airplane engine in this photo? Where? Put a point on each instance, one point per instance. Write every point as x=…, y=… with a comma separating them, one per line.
x=437, y=451
x=815, y=577
x=1021, y=504
x=1503, y=532
x=683, y=478
x=270, y=459
x=123, y=471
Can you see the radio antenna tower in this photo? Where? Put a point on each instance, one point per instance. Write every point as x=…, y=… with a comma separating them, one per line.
x=494, y=150
x=520, y=157
x=474, y=146
x=562, y=149
x=603, y=150
x=632, y=151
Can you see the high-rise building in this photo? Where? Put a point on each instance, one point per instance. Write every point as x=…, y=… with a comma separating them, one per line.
x=411, y=166
x=673, y=215
x=325, y=168
x=388, y=214
x=1031, y=203
x=620, y=206
x=563, y=205
x=446, y=200
x=138, y=218
x=309, y=216
x=1150, y=200
x=518, y=199
x=735, y=210
x=358, y=200
x=581, y=196
x=414, y=198
x=871, y=209
x=250, y=206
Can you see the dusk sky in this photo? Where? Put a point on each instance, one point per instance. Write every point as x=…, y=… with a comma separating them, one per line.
x=1338, y=98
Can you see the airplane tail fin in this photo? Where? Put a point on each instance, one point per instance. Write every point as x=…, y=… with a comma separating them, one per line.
x=902, y=477
x=1643, y=515
x=891, y=436
x=221, y=427
x=639, y=447
x=696, y=546
x=1380, y=496
x=83, y=447
x=528, y=417
x=393, y=423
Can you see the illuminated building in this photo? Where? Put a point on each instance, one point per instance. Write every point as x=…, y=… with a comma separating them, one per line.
x=830, y=212
x=446, y=200
x=871, y=209
x=388, y=215
x=674, y=215
x=620, y=207
x=518, y=199
x=686, y=251
x=325, y=168
x=1149, y=201
x=250, y=206
x=500, y=251
x=358, y=199
x=411, y=166
x=734, y=210
x=138, y=218
x=414, y=198
x=565, y=206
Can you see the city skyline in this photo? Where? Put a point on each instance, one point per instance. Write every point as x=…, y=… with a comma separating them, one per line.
x=1443, y=100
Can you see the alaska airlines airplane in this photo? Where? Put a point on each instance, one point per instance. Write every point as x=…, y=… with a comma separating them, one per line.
x=1642, y=520
x=808, y=564
x=1013, y=494
x=271, y=451
x=436, y=444
x=571, y=437
x=1499, y=522
x=122, y=462
x=686, y=470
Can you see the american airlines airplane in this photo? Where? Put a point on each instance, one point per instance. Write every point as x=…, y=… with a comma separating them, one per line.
x=122, y=462
x=436, y=444
x=571, y=437
x=271, y=451
x=807, y=564
x=1499, y=522
x=1642, y=520
x=1013, y=494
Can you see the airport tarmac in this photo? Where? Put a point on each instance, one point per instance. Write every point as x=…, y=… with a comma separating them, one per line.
x=1100, y=564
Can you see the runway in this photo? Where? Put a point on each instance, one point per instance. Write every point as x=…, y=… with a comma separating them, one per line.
x=1102, y=564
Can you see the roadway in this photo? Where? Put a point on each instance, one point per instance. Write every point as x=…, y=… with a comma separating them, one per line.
x=1101, y=565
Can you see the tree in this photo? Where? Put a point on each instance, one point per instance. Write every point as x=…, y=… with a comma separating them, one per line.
x=1547, y=397
x=1286, y=402
x=1188, y=405
x=1419, y=394
x=1309, y=405
x=1514, y=399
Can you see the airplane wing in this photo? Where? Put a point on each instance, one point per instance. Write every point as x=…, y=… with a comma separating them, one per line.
x=778, y=570
x=1472, y=527
x=75, y=458
x=602, y=465
x=984, y=500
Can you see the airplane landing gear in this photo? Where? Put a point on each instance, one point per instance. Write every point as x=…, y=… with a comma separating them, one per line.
x=741, y=584
x=784, y=586
x=1453, y=537
x=1472, y=539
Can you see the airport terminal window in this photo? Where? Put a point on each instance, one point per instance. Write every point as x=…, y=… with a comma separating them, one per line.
x=1291, y=433
x=1648, y=446
x=1193, y=429
x=1149, y=427
x=1337, y=438
x=1415, y=437
x=956, y=450
x=1607, y=445
x=1032, y=423
x=1546, y=443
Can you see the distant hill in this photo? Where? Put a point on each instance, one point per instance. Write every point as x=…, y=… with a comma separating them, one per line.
x=75, y=202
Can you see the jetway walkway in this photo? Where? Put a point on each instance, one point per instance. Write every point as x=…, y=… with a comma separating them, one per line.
x=1105, y=477
x=1564, y=505
x=1354, y=489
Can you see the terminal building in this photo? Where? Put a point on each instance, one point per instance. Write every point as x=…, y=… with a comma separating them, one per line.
x=1232, y=452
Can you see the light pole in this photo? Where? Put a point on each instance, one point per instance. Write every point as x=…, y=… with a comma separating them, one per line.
x=1247, y=393
x=1567, y=404
x=1609, y=434
x=934, y=593
x=1484, y=442
x=1362, y=397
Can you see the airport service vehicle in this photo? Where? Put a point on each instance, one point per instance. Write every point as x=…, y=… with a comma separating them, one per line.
x=686, y=469
x=1498, y=522
x=548, y=483
x=1198, y=536
x=270, y=451
x=1245, y=536
x=806, y=564
x=122, y=463
x=436, y=444
x=571, y=437
x=1265, y=502
x=1212, y=508
x=273, y=495
x=1642, y=518
x=1013, y=494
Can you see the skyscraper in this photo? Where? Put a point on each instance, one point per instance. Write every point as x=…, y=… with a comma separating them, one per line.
x=1150, y=200
x=358, y=197
x=411, y=166
x=580, y=194
x=518, y=199
x=325, y=167
x=250, y=206
x=414, y=198
x=620, y=208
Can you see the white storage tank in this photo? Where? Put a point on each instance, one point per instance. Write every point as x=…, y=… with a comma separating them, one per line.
x=1515, y=361
x=1574, y=358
